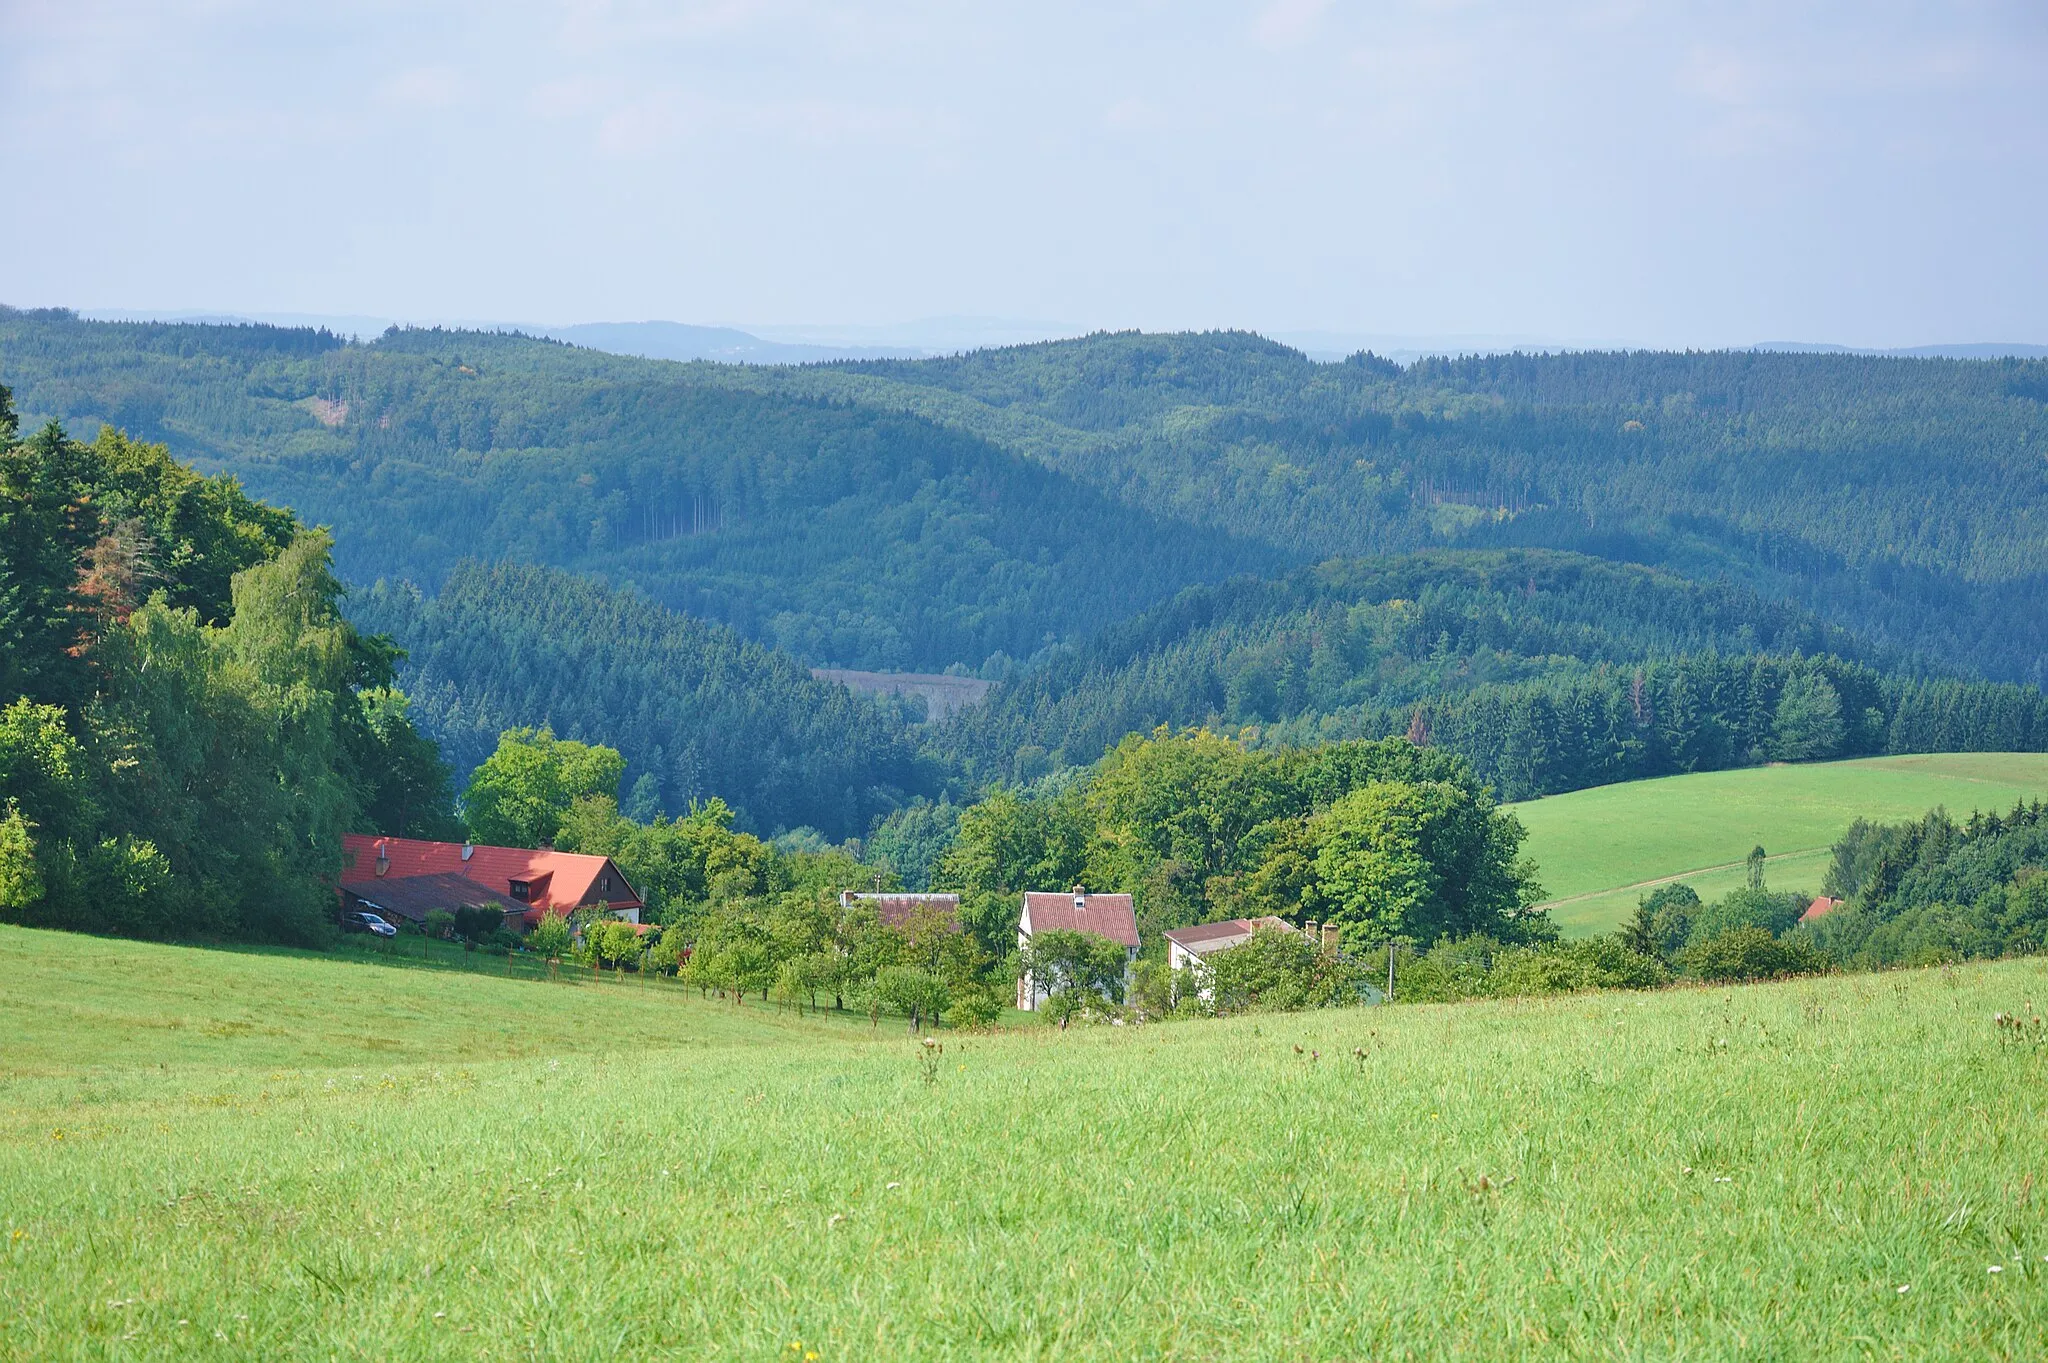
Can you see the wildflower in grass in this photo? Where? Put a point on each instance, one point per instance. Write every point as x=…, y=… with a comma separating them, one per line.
x=1904, y=1288
x=1995, y=1268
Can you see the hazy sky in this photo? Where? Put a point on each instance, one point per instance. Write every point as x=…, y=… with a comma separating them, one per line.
x=1871, y=173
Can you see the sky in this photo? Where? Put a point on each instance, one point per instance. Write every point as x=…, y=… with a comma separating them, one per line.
x=1585, y=171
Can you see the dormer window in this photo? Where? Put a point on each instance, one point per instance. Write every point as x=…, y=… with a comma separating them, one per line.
x=522, y=890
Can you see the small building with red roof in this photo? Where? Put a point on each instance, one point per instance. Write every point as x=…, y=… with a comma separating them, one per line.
x=411, y=877
x=1820, y=908
x=1187, y=947
x=1100, y=915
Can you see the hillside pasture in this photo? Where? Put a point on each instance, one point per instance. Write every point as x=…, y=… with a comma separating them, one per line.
x=250, y=1156
x=1600, y=850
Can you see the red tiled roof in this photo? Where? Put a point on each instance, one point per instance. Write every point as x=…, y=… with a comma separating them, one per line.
x=1820, y=908
x=561, y=881
x=1207, y=937
x=896, y=909
x=415, y=897
x=1105, y=915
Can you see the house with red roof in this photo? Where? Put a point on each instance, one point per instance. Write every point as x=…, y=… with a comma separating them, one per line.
x=1101, y=915
x=1192, y=948
x=1820, y=908
x=411, y=877
x=1188, y=947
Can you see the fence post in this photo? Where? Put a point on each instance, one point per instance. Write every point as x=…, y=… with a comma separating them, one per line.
x=1390, y=972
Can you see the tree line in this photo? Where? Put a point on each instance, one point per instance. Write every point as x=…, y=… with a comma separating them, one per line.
x=1546, y=671
x=189, y=724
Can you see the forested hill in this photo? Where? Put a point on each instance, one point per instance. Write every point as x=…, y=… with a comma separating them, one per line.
x=1549, y=671
x=845, y=535
x=897, y=514
x=1904, y=498
x=696, y=710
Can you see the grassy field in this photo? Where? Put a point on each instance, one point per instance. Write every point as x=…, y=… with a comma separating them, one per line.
x=267, y=1156
x=1599, y=848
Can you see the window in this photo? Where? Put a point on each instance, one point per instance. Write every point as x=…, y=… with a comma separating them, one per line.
x=522, y=891
x=604, y=884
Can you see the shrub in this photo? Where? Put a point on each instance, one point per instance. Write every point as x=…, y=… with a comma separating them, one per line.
x=978, y=1007
x=1064, y=962
x=1663, y=921
x=1751, y=953
x=550, y=936
x=476, y=923
x=1453, y=969
x=1746, y=908
x=613, y=942
x=440, y=922
x=1279, y=969
x=917, y=994
x=1152, y=987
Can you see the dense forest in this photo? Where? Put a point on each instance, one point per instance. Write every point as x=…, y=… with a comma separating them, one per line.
x=1558, y=570
x=1906, y=499
x=188, y=724
x=969, y=511
x=856, y=537
x=697, y=710
x=1547, y=671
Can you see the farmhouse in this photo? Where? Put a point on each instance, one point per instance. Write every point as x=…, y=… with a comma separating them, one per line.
x=1101, y=915
x=410, y=878
x=1186, y=947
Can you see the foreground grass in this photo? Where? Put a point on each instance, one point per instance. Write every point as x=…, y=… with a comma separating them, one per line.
x=1597, y=848
x=542, y=1171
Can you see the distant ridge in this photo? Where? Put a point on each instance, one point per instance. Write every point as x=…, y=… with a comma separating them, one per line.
x=726, y=345
x=1967, y=350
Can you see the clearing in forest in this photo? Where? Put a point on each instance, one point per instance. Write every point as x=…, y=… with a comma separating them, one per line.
x=1599, y=850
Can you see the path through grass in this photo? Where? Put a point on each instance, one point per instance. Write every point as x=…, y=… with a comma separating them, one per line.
x=1596, y=848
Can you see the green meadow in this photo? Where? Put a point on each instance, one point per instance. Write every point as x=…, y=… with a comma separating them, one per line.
x=1599, y=850
x=233, y=1155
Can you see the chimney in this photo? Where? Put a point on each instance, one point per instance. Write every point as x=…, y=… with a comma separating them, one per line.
x=383, y=857
x=1331, y=936
x=1080, y=898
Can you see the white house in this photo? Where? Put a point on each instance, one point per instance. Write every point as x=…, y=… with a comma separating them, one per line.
x=1192, y=948
x=1102, y=915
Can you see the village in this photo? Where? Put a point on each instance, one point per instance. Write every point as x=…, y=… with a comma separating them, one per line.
x=468, y=890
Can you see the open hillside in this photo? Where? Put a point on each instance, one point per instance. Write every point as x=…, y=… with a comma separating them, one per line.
x=359, y=1160
x=920, y=514
x=1601, y=850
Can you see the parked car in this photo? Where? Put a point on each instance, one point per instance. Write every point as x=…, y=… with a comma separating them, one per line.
x=367, y=922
